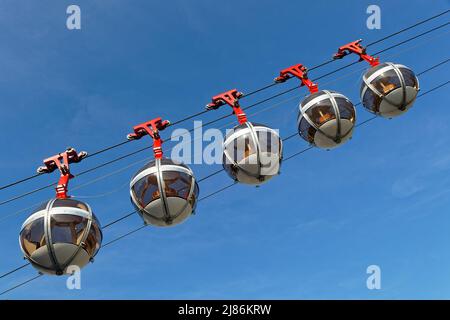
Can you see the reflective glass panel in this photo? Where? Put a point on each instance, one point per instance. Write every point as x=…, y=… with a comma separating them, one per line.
x=194, y=197
x=409, y=77
x=32, y=237
x=321, y=112
x=177, y=184
x=346, y=109
x=70, y=203
x=386, y=82
x=268, y=141
x=371, y=101
x=241, y=148
x=146, y=190
x=306, y=130
x=67, y=228
x=93, y=240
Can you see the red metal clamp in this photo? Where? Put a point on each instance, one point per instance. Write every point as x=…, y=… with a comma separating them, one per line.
x=301, y=72
x=232, y=99
x=61, y=162
x=357, y=48
x=151, y=128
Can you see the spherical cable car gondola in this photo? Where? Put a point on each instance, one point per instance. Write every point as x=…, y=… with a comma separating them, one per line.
x=326, y=118
x=252, y=152
x=388, y=89
x=164, y=192
x=62, y=232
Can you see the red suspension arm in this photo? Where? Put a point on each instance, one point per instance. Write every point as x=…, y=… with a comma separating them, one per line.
x=357, y=48
x=301, y=72
x=61, y=162
x=152, y=129
x=231, y=98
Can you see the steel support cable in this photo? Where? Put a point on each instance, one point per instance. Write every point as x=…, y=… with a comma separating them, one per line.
x=135, y=163
x=207, y=196
x=20, y=196
x=387, y=37
x=76, y=187
x=312, y=147
x=132, y=213
x=384, y=50
x=77, y=175
x=95, y=168
x=217, y=191
x=142, y=227
x=213, y=121
x=408, y=28
x=368, y=45
x=38, y=175
x=325, y=75
x=113, y=173
x=79, y=187
x=206, y=124
x=223, y=117
x=108, y=224
x=21, y=284
x=285, y=139
x=20, y=211
x=95, y=153
x=374, y=117
x=79, y=196
x=322, y=76
x=286, y=159
x=14, y=270
x=103, y=227
x=290, y=157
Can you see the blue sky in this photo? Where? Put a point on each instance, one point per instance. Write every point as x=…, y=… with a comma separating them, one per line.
x=383, y=198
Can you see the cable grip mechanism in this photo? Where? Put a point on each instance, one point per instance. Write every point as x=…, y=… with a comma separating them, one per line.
x=230, y=98
x=152, y=129
x=357, y=48
x=299, y=71
x=61, y=161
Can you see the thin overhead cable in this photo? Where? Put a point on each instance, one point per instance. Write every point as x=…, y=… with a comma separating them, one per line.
x=93, y=169
x=21, y=284
x=384, y=50
x=408, y=28
x=14, y=270
x=368, y=45
x=216, y=172
x=127, y=167
x=207, y=196
x=77, y=175
x=20, y=196
x=288, y=158
x=257, y=90
x=312, y=147
x=413, y=38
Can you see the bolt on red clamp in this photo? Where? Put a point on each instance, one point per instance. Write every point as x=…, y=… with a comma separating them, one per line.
x=151, y=128
x=301, y=72
x=61, y=162
x=231, y=98
x=357, y=48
